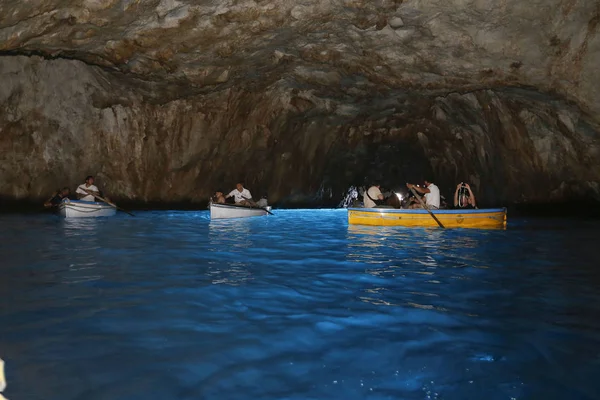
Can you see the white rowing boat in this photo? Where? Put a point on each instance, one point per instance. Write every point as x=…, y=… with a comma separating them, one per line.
x=222, y=211
x=85, y=209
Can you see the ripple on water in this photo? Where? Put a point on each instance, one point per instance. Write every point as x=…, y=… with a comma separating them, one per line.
x=297, y=306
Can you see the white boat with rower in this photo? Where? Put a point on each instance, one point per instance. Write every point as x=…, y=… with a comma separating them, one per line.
x=85, y=209
x=223, y=211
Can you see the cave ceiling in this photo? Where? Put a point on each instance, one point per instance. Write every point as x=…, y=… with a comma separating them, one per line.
x=355, y=51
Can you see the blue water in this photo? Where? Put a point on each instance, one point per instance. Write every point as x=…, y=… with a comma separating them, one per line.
x=169, y=305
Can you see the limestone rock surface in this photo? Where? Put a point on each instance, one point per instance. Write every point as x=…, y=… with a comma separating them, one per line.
x=169, y=100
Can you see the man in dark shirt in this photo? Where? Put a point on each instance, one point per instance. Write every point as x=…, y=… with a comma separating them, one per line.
x=58, y=197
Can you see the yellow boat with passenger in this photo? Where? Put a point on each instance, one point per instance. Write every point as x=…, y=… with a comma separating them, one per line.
x=485, y=218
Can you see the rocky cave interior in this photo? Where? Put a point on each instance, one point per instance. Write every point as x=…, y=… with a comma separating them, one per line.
x=166, y=101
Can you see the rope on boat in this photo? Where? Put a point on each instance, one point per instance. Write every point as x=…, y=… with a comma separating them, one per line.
x=83, y=209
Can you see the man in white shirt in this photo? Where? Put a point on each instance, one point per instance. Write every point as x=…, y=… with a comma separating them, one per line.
x=84, y=188
x=431, y=192
x=372, y=195
x=241, y=195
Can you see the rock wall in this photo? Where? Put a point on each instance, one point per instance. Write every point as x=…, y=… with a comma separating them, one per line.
x=167, y=100
x=61, y=120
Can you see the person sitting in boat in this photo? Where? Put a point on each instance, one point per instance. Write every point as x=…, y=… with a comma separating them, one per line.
x=58, y=197
x=443, y=204
x=241, y=195
x=219, y=198
x=262, y=202
x=372, y=196
x=464, y=197
x=393, y=200
x=431, y=193
x=86, y=191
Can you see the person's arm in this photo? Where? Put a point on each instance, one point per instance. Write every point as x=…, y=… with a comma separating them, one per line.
x=249, y=198
x=91, y=192
x=380, y=195
x=473, y=202
x=80, y=193
x=418, y=189
x=229, y=194
x=456, y=195
x=48, y=203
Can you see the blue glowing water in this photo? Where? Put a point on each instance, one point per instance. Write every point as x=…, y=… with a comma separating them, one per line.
x=169, y=305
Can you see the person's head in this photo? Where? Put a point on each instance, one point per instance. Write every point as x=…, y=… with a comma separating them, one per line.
x=427, y=181
x=89, y=180
x=218, y=194
x=65, y=191
x=239, y=186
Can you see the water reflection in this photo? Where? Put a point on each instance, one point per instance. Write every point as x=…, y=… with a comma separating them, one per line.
x=233, y=232
x=81, y=234
x=229, y=241
x=433, y=260
x=364, y=242
x=79, y=249
x=80, y=226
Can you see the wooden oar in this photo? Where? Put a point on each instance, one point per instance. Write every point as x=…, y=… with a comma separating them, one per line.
x=425, y=207
x=256, y=206
x=108, y=202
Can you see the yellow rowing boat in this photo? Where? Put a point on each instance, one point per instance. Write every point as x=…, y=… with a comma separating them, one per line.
x=487, y=218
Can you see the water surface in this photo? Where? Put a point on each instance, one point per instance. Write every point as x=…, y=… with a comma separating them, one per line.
x=171, y=305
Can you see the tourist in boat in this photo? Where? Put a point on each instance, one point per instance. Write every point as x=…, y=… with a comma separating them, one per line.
x=86, y=191
x=431, y=193
x=241, y=195
x=464, y=197
x=262, y=202
x=218, y=198
x=372, y=196
x=393, y=200
x=58, y=197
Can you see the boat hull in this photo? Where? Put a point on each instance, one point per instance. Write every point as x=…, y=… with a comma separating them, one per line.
x=85, y=209
x=226, y=211
x=491, y=218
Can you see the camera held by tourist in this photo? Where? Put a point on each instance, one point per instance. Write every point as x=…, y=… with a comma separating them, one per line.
x=464, y=197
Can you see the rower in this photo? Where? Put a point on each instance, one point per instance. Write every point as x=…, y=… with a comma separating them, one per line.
x=431, y=193
x=87, y=190
x=241, y=195
x=58, y=197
